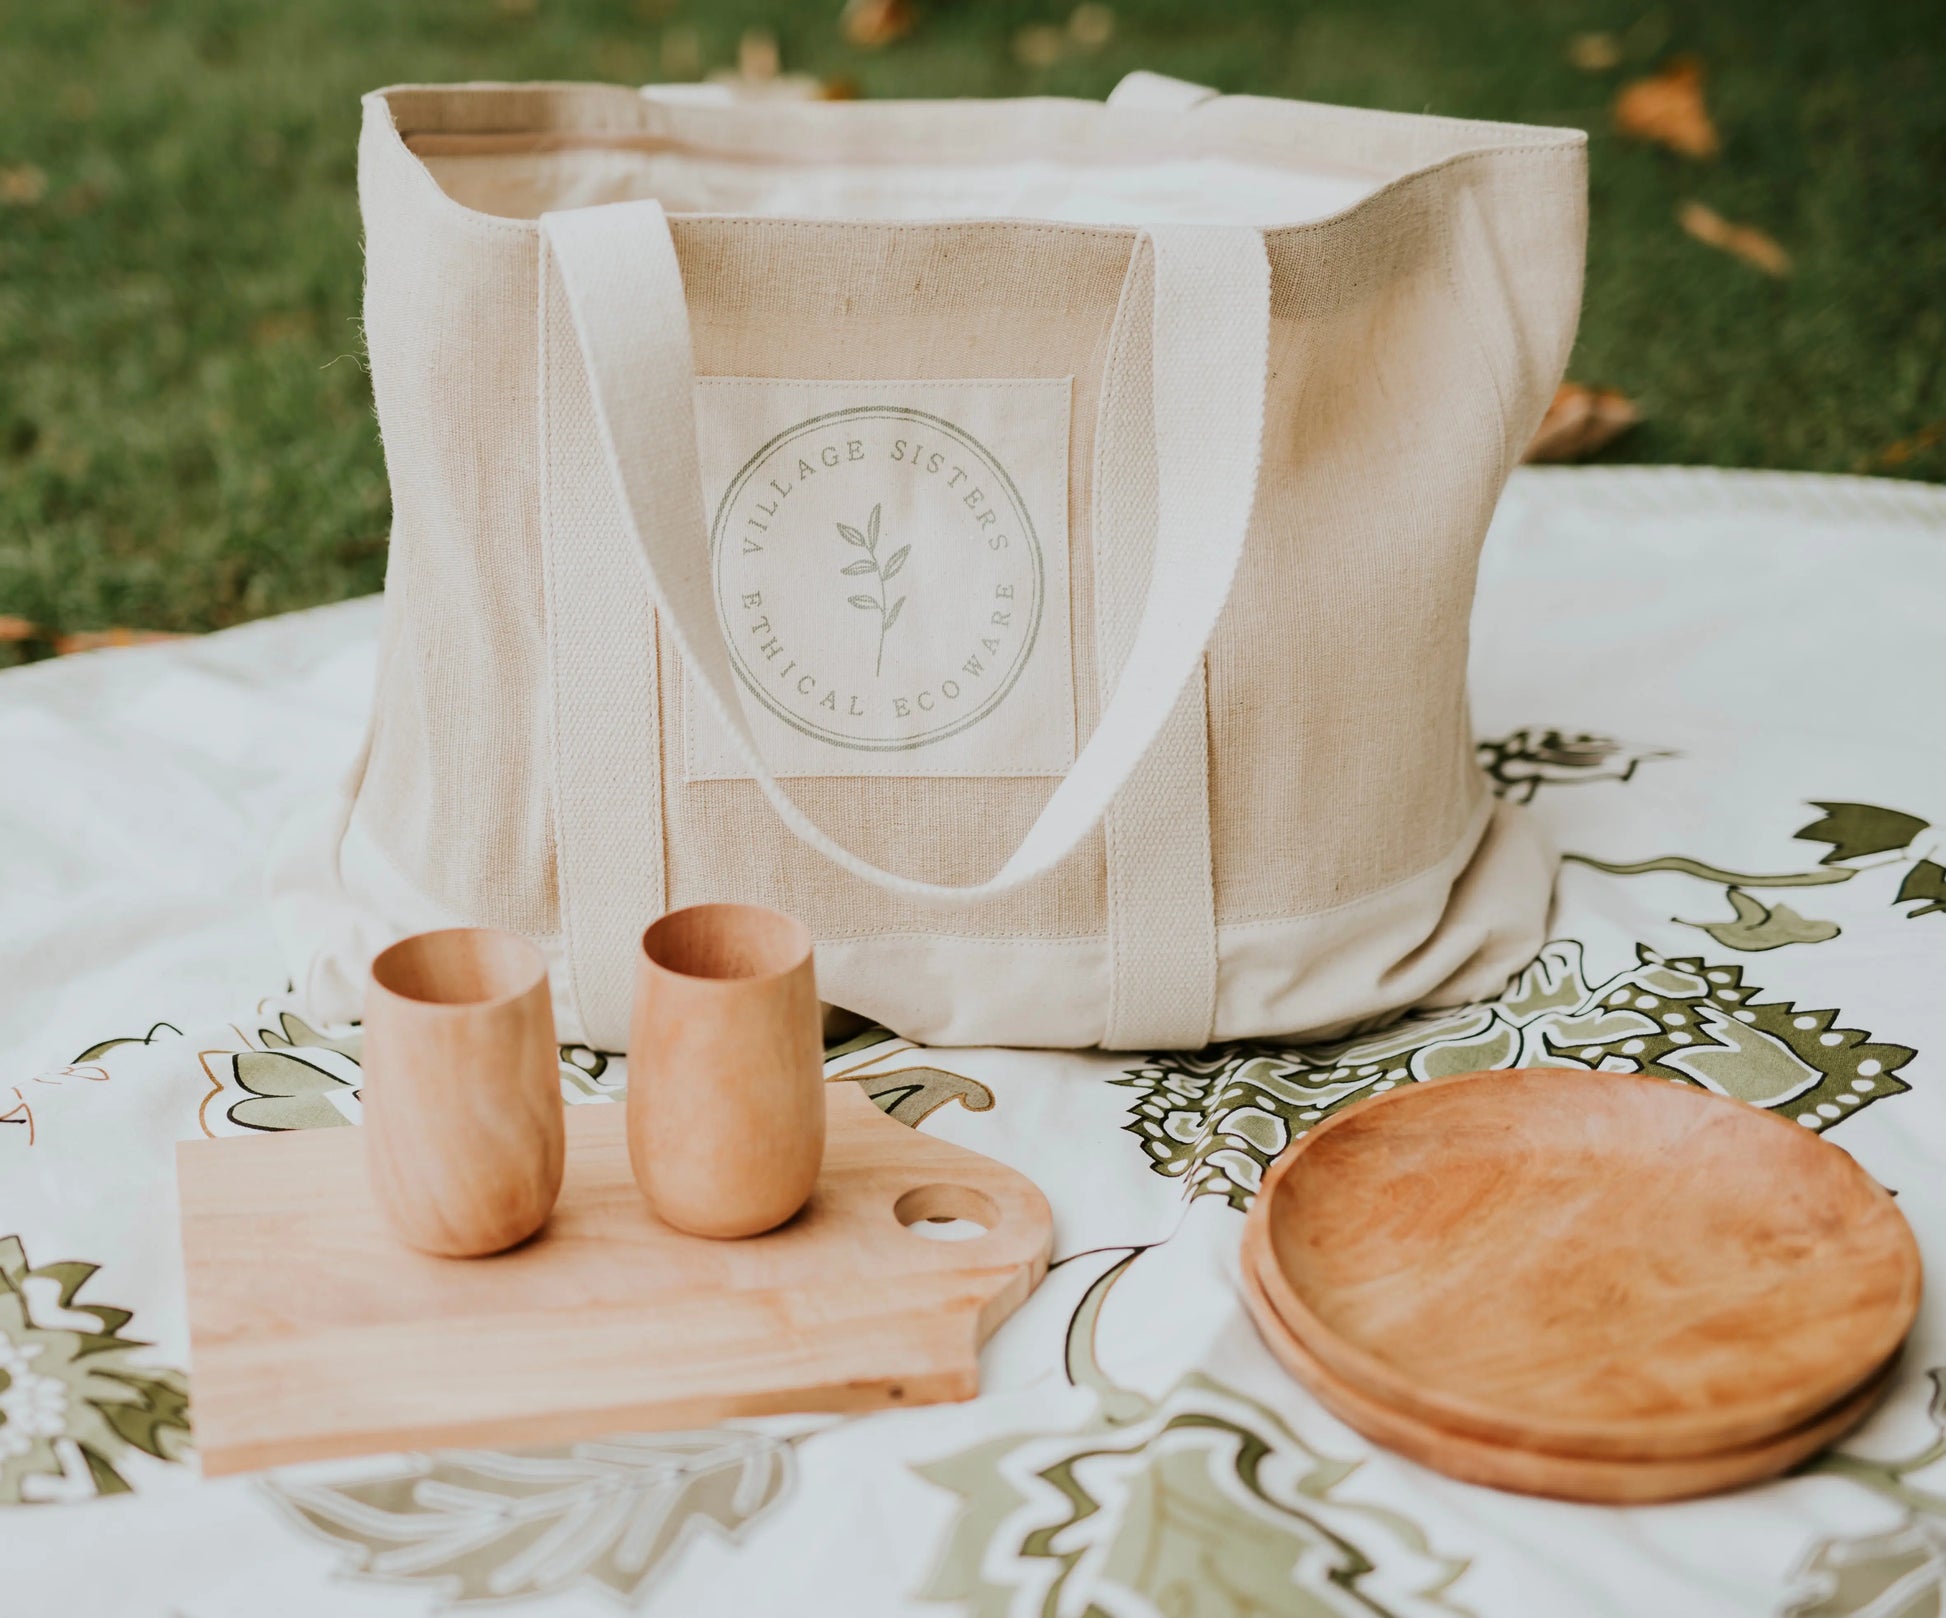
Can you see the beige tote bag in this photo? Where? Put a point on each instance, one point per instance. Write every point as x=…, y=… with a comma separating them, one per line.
x=1032, y=542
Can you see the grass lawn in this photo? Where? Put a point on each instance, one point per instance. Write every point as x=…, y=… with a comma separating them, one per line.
x=186, y=437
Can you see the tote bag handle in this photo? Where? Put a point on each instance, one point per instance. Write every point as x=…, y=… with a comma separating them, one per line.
x=624, y=294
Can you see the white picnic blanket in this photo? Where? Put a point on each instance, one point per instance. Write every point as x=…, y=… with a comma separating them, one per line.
x=1720, y=692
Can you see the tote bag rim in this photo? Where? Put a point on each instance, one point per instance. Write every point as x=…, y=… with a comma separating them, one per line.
x=624, y=95
x=1533, y=140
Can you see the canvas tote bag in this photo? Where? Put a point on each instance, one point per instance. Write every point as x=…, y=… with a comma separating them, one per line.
x=1032, y=542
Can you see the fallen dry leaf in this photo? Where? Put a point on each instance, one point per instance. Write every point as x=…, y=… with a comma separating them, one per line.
x=1595, y=53
x=1580, y=421
x=871, y=24
x=1902, y=450
x=93, y=640
x=1747, y=242
x=22, y=184
x=1091, y=25
x=1040, y=45
x=1668, y=108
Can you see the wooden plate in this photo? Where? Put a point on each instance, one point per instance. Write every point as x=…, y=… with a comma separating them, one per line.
x=1599, y=1481
x=1588, y=1264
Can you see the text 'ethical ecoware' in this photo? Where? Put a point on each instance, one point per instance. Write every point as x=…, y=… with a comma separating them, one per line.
x=726, y=1069
x=461, y=1091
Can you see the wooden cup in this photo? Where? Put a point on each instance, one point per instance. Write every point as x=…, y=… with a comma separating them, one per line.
x=726, y=1070
x=464, y=1133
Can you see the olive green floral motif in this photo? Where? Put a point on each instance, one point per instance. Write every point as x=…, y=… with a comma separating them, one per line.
x=96, y=1052
x=1520, y=763
x=1757, y=926
x=297, y=1077
x=1854, y=830
x=1202, y=1503
x=1216, y=1119
x=294, y=1033
x=1900, y=1572
x=301, y=1078
x=1925, y=883
x=852, y=1036
x=1849, y=831
x=74, y=1400
x=283, y=1091
x=590, y=1073
x=479, y=1526
x=911, y=1095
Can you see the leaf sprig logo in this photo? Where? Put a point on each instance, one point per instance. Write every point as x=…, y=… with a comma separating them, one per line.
x=884, y=572
x=945, y=637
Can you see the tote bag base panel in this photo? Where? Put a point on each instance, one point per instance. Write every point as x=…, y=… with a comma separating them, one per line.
x=1442, y=937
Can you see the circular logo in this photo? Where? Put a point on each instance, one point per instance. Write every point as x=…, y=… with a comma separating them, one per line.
x=879, y=578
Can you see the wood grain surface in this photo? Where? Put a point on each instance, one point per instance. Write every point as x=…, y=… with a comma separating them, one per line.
x=314, y=1333
x=1589, y=1264
x=1593, y=1479
x=461, y=1089
x=726, y=1069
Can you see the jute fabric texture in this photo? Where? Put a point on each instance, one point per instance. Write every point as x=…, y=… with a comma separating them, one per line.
x=1286, y=441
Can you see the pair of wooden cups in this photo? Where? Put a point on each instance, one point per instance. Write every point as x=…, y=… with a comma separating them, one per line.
x=464, y=1131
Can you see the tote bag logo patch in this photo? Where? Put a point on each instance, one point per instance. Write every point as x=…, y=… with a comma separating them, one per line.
x=891, y=575
x=812, y=603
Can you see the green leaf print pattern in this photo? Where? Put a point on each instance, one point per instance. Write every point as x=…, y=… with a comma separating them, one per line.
x=479, y=1526
x=1850, y=832
x=1925, y=883
x=1520, y=763
x=302, y=1078
x=75, y=1400
x=1901, y=1571
x=1216, y=1119
x=1201, y=1503
x=1757, y=926
x=1854, y=830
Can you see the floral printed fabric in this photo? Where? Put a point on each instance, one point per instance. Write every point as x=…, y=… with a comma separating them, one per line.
x=1714, y=690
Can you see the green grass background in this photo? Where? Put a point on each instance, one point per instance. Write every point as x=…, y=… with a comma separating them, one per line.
x=186, y=437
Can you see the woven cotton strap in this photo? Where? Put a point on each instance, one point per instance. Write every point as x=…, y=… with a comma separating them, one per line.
x=1161, y=899
x=604, y=691
x=623, y=289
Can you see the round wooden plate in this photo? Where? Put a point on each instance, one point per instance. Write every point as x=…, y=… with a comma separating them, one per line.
x=1587, y=1264
x=1562, y=1477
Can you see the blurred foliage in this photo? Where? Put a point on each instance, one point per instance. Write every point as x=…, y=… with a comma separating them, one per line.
x=186, y=436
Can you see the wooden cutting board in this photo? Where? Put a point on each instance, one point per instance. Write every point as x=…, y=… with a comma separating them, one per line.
x=314, y=1333
x=1594, y=1479
x=1587, y=1264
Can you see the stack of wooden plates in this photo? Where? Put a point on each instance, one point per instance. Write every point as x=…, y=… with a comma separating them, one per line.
x=1596, y=1286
